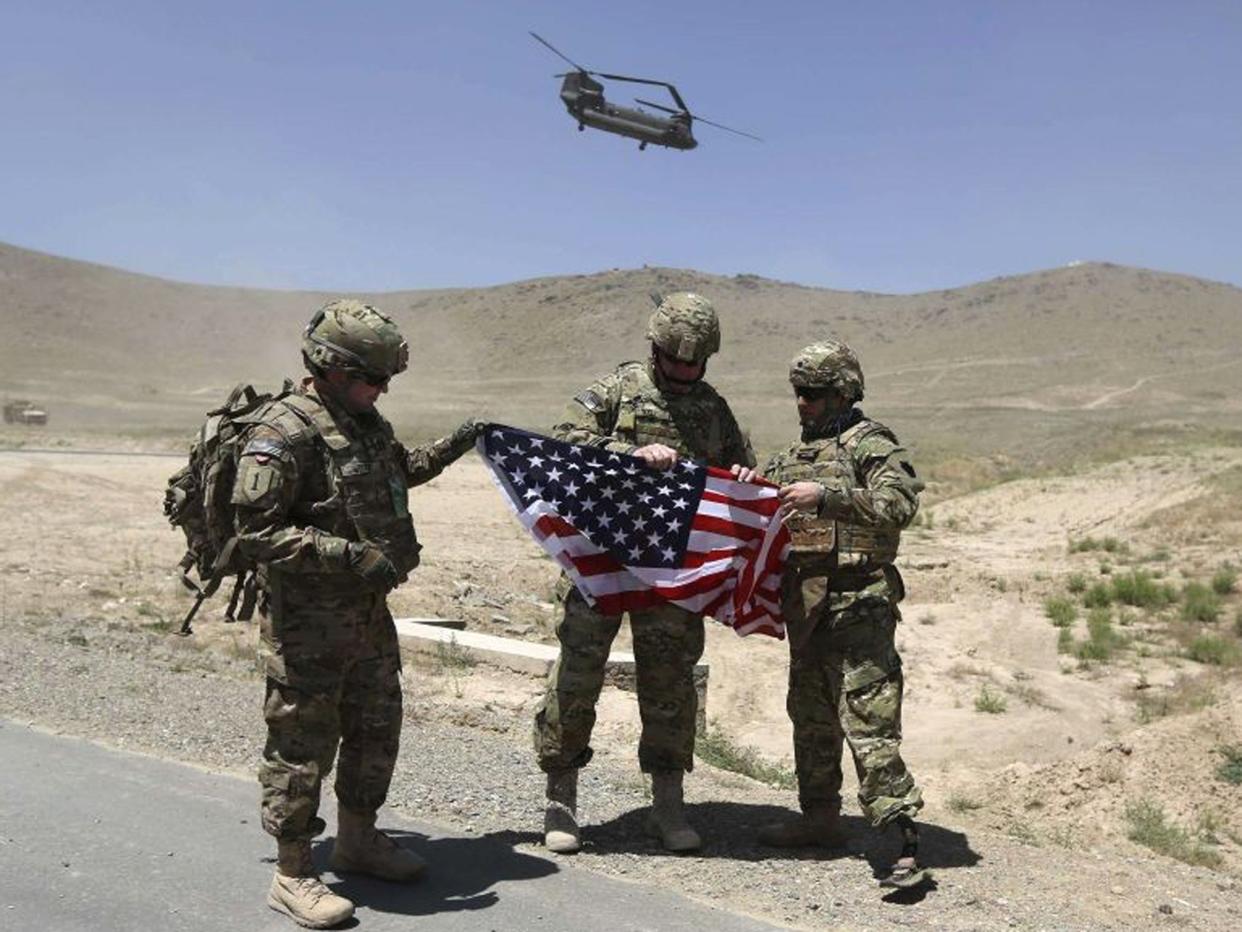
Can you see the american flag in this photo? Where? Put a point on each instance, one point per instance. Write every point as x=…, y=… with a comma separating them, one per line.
x=631, y=536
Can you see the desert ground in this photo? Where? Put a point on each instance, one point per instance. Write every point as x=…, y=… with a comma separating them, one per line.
x=1072, y=634
x=1053, y=755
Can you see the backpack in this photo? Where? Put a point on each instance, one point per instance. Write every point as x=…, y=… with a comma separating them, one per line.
x=199, y=501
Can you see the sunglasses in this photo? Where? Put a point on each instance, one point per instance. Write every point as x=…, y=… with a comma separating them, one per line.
x=371, y=378
x=811, y=394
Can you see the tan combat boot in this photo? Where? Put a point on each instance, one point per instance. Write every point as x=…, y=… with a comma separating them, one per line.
x=298, y=892
x=560, y=816
x=361, y=847
x=818, y=825
x=667, y=819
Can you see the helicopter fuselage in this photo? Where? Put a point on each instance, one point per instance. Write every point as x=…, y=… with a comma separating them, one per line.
x=584, y=99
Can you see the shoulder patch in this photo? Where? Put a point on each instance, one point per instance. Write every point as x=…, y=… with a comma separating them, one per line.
x=590, y=400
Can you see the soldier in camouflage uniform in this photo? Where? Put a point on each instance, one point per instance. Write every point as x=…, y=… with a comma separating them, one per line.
x=659, y=410
x=321, y=506
x=847, y=489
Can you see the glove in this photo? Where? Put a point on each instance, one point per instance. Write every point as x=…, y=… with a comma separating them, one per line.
x=462, y=439
x=367, y=560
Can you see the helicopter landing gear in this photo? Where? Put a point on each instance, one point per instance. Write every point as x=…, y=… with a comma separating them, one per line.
x=642, y=146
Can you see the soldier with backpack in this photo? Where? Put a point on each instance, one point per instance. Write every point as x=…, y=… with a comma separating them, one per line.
x=320, y=497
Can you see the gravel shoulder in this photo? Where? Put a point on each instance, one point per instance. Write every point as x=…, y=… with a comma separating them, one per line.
x=155, y=693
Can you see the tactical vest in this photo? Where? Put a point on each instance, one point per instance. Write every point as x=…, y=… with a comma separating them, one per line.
x=827, y=544
x=366, y=495
x=691, y=424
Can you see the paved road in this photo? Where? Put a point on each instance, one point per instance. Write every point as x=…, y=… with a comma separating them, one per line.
x=94, y=839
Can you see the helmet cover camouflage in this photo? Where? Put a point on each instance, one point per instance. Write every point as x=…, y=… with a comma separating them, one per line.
x=356, y=337
x=684, y=325
x=828, y=364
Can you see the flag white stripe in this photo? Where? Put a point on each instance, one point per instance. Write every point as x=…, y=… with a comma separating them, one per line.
x=736, y=515
x=742, y=491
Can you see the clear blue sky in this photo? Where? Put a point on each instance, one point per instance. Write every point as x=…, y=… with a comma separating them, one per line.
x=351, y=146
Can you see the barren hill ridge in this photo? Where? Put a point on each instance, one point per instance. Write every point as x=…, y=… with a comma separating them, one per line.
x=1087, y=337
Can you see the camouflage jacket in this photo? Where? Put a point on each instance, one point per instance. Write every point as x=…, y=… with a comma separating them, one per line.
x=626, y=410
x=311, y=478
x=870, y=493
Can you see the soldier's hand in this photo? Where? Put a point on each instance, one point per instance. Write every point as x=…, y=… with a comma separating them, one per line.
x=744, y=473
x=368, y=561
x=657, y=456
x=800, y=496
x=463, y=438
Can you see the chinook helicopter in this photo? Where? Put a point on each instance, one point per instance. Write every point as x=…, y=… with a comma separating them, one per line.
x=584, y=99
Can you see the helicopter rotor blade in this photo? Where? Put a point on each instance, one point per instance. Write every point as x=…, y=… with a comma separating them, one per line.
x=621, y=77
x=726, y=128
x=652, y=103
x=557, y=51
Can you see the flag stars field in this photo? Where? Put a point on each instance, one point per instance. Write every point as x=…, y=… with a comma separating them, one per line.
x=613, y=524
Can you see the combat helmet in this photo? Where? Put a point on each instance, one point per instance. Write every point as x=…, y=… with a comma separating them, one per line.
x=359, y=338
x=684, y=325
x=828, y=364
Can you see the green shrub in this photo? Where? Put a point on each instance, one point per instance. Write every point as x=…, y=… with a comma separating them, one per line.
x=1231, y=770
x=1102, y=641
x=1065, y=641
x=990, y=702
x=1098, y=596
x=1061, y=612
x=1150, y=827
x=1107, y=544
x=1139, y=589
x=1225, y=580
x=1199, y=603
x=719, y=750
x=1214, y=650
x=1077, y=583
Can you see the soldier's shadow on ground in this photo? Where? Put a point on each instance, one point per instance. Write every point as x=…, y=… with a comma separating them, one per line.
x=729, y=830
x=459, y=875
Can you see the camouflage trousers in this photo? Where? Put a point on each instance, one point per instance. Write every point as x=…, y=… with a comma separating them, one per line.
x=333, y=684
x=845, y=686
x=668, y=642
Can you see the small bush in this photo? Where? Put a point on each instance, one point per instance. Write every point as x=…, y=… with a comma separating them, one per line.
x=719, y=750
x=1225, y=580
x=1102, y=641
x=961, y=803
x=1151, y=828
x=1231, y=770
x=1214, y=650
x=990, y=702
x=1077, y=583
x=1188, y=694
x=1107, y=544
x=1098, y=596
x=1061, y=612
x=1065, y=641
x=1139, y=589
x=1199, y=603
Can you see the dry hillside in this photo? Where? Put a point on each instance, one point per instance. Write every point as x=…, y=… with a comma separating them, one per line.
x=1028, y=370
